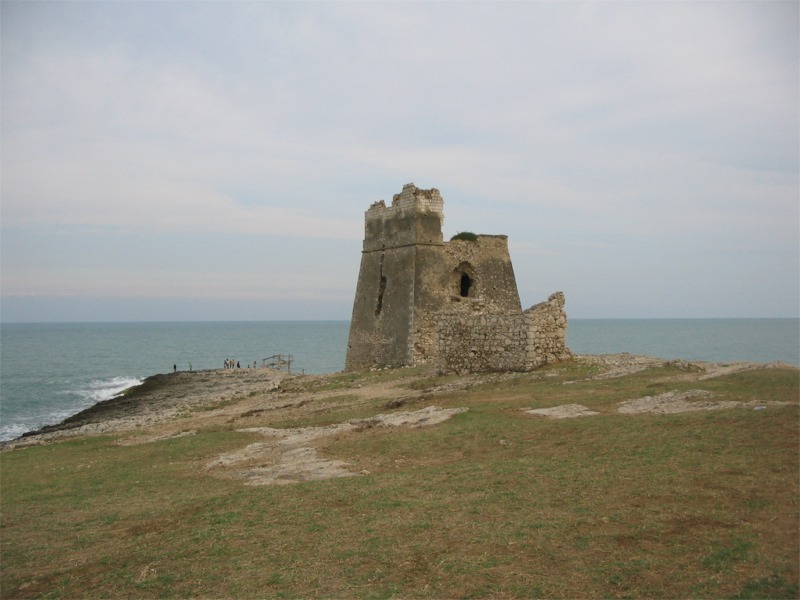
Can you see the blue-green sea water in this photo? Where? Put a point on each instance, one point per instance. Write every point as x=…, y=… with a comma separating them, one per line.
x=51, y=371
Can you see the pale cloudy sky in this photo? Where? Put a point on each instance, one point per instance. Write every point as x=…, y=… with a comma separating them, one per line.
x=205, y=161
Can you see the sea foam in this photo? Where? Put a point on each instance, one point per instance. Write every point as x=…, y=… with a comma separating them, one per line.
x=105, y=389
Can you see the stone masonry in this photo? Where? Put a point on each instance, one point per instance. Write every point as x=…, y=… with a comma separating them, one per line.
x=421, y=300
x=481, y=340
x=547, y=330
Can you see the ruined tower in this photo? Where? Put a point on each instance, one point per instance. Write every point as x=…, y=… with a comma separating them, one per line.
x=416, y=293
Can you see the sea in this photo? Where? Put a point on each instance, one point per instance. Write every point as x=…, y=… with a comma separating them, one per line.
x=50, y=371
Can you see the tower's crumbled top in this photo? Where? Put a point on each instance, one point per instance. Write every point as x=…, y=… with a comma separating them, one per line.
x=413, y=197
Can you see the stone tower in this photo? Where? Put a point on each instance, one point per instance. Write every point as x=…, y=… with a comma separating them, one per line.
x=399, y=241
x=411, y=280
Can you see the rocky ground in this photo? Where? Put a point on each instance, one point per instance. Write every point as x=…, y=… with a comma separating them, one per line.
x=180, y=404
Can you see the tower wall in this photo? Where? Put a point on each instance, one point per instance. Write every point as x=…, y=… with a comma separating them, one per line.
x=398, y=242
x=382, y=310
x=438, y=287
x=488, y=264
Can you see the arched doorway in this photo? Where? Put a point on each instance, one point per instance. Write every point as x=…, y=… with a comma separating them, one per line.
x=466, y=284
x=462, y=282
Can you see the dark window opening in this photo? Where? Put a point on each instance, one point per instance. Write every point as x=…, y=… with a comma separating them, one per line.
x=381, y=289
x=466, y=283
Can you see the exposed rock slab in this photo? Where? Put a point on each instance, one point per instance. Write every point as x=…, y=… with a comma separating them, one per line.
x=291, y=457
x=668, y=403
x=565, y=411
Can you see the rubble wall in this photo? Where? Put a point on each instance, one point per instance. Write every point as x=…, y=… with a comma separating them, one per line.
x=547, y=330
x=476, y=342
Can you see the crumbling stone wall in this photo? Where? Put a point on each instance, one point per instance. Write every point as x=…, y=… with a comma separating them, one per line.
x=547, y=329
x=459, y=275
x=476, y=342
x=415, y=217
x=487, y=263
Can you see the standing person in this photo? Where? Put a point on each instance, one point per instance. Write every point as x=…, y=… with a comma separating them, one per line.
x=190, y=366
x=174, y=368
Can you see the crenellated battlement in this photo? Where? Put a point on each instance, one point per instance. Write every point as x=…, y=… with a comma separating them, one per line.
x=411, y=198
x=415, y=217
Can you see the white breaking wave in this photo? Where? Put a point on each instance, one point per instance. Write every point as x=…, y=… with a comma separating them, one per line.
x=10, y=432
x=83, y=397
x=105, y=389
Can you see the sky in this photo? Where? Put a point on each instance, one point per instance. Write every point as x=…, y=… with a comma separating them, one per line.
x=213, y=161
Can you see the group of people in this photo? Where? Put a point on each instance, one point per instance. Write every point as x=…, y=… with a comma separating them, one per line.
x=234, y=364
x=228, y=364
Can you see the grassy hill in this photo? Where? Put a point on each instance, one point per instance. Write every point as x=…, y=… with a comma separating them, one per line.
x=491, y=502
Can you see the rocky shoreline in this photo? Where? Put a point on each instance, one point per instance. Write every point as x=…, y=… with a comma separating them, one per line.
x=159, y=398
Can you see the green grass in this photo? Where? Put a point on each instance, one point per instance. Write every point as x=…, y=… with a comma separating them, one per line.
x=492, y=503
x=345, y=381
